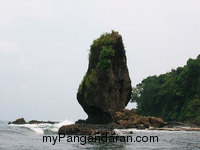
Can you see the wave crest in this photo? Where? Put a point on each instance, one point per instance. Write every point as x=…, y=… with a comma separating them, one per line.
x=45, y=128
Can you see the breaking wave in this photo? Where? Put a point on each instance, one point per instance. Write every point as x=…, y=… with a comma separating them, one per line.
x=45, y=128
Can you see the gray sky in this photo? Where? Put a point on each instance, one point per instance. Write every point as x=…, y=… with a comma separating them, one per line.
x=44, y=48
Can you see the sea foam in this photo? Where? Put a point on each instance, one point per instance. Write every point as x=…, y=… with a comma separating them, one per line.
x=45, y=128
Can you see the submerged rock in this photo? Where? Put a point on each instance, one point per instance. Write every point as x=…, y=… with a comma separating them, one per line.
x=106, y=86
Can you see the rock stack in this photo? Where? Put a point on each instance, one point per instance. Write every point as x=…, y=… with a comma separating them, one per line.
x=106, y=86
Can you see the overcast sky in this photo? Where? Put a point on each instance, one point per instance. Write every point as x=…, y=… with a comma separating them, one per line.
x=44, y=48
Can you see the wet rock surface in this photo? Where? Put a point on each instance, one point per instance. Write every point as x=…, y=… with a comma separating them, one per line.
x=86, y=129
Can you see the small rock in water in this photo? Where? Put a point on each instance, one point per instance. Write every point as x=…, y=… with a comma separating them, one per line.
x=18, y=121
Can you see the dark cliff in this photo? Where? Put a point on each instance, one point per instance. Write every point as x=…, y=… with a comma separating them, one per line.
x=106, y=86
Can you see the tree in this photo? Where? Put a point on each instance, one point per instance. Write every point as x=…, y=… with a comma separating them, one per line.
x=172, y=96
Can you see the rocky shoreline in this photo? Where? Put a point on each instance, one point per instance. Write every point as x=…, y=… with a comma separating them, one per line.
x=125, y=119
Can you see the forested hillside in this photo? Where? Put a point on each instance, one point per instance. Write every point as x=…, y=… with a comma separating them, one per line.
x=172, y=96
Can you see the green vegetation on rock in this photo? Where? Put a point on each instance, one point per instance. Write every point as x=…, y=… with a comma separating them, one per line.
x=100, y=55
x=105, y=55
x=172, y=96
x=88, y=80
x=101, y=50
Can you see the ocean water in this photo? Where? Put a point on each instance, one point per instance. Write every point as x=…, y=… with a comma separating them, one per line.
x=30, y=137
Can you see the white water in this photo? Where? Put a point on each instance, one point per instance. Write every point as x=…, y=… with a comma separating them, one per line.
x=15, y=137
x=42, y=127
x=136, y=131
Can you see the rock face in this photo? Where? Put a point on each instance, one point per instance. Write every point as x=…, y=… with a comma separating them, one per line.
x=106, y=86
x=123, y=119
x=129, y=119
